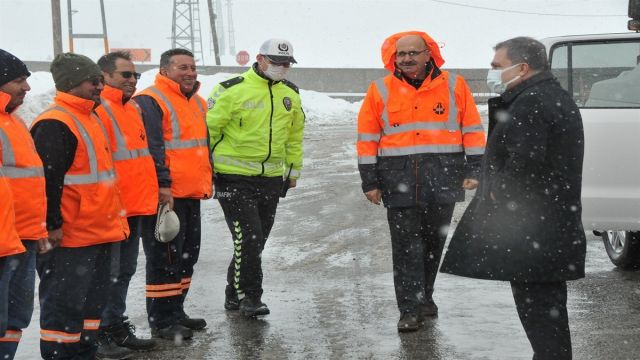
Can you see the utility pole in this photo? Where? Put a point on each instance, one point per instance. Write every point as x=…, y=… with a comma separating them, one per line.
x=214, y=33
x=57, y=27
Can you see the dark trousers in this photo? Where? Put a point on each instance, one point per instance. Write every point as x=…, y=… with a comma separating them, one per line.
x=249, y=204
x=73, y=290
x=542, y=308
x=170, y=265
x=17, y=286
x=124, y=260
x=418, y=235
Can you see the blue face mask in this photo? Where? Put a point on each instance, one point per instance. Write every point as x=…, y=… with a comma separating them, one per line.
x=494, y=79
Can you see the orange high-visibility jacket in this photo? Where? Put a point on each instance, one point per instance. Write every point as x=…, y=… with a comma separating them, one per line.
x=92, y=211
x=185, y=139
x=22, y=168
x=135, y=170
x=10, y=243
x=397, y=119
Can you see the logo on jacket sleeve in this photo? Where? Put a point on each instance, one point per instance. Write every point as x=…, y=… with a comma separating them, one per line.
x=287, y=103
x=210, y=103
x=438, y=109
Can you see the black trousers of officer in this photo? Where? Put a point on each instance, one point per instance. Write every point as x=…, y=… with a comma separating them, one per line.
x=170, y=265
x=249, y=204
x=542, y=308
x=418, y=235
x=74, y=283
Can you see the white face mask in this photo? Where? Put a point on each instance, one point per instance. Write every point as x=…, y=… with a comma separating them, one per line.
x=494, y=79
x=276, y=72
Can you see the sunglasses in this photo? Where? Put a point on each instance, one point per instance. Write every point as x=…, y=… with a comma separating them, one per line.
x=129, y=74
x=96, y=80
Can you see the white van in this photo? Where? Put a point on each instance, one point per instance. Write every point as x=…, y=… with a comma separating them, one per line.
x=603, y=74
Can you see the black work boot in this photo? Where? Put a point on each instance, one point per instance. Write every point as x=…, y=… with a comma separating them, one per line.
x=429, y=308
x=174, y=332
x=108, y=349
x=253, y=307
x=124, y=335
x=231, y=302
x=408, y=322
x=193, y=323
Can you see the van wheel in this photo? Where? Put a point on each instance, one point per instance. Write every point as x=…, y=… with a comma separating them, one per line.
x=623, y=248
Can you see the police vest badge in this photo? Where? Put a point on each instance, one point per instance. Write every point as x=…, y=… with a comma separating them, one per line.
x=287, y=103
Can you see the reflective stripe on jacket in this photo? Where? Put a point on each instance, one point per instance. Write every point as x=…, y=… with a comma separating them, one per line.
x=185, y=139
x=440, y=117
x=22, y=168
x=10, y=243
x=256, y=127
x=92, y=211
x=135, y=170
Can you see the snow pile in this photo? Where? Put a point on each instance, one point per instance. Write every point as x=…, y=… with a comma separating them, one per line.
x=319, y=108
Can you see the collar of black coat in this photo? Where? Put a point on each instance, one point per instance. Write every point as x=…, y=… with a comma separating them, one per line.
x=511, y=94
x=430, y=67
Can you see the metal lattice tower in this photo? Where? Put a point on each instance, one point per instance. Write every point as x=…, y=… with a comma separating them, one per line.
x=232, y=41
x=186, y=31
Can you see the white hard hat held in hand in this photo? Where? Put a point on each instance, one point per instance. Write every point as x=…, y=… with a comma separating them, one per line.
x=167, y=224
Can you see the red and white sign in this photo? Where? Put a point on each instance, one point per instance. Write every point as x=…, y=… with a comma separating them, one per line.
x=139, y=55
x=242, y=57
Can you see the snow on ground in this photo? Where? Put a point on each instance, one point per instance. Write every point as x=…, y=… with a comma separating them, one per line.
x=319, y=108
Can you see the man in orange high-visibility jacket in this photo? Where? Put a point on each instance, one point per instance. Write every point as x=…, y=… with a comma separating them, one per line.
x=174, y=117
x=136, y=176
x=84, y=211
x=23, y=170
x=420, y=144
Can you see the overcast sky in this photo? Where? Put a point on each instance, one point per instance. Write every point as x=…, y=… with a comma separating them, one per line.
x=324, y=33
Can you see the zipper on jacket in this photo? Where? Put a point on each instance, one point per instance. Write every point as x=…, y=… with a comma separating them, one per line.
x=270, y=126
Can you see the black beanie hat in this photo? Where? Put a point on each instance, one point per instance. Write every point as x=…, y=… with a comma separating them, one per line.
x=69, y=70
x=11, y=68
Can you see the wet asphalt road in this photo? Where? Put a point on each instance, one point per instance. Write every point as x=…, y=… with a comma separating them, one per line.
x=328, y=283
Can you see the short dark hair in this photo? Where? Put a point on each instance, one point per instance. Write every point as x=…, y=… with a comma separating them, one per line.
x=525, y=50
x=107, y=62
x=165, y=58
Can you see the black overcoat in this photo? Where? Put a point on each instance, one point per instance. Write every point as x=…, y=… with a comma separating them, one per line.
x=524, y=223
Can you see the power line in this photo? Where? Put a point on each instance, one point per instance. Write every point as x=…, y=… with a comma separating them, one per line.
x=524, y=12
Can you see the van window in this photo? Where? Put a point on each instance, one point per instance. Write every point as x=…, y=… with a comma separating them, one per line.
x=604, y=74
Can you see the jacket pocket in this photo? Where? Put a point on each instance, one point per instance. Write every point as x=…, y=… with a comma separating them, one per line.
x=397, y=181
x=449, y=178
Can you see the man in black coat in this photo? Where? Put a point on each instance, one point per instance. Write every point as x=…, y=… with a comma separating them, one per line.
x=524, y=224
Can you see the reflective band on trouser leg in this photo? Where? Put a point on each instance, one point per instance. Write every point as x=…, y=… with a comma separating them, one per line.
x=186, y=283
x=59, y=336
x=11, y=336
x=237, y=258
x=164, y=290
x=91, y=324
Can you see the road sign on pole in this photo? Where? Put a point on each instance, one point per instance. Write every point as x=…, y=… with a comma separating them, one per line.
x=242, y=57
